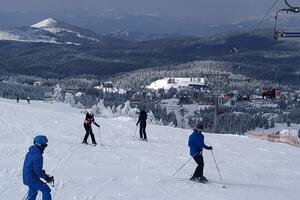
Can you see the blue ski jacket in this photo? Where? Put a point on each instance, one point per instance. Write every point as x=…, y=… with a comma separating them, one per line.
x=33, y=166
x=196, y=143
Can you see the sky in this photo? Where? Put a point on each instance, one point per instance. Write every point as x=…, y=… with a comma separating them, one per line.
x=211, y=11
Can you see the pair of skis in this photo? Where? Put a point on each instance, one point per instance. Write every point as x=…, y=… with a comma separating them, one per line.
x=95, y=144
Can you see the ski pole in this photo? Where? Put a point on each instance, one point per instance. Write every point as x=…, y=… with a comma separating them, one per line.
x=100, y=136
x=216, y=165
x=24, y=198
x=135, y=132
x=52, y=184
x=183, y=165
x=56, y=189
x=28, y=197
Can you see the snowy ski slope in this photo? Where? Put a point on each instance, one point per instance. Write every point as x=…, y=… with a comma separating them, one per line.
x=124, y=169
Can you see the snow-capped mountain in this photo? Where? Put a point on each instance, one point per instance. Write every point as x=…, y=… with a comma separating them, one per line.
x=51, y=31
x=52, y=26
x=58, y=27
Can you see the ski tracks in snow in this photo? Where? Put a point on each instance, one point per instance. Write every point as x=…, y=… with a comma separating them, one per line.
x=102, y=187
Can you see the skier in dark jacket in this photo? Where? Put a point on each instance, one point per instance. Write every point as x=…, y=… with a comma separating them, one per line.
x=89, y=119
x=142, y=121
x=33, y=170
x=196, y=144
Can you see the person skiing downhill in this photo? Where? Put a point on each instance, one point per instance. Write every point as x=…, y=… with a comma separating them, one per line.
x=89, y=119
x=33, y=170
x=143, y=122
x=196, y=145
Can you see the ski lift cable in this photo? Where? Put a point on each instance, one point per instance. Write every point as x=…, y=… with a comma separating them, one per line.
x=236, y=50
x=259, y=23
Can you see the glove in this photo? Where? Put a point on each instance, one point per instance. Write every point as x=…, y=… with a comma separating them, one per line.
x=49, y=179
x=210, y=148
x=98, y=125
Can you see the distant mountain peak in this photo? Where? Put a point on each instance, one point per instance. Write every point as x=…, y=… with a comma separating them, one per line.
x=47, y=23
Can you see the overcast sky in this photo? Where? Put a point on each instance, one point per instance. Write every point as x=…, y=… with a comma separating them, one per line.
x=211, y=11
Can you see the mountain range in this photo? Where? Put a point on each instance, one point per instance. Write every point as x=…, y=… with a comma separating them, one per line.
x=108, y=21
x=52, y=48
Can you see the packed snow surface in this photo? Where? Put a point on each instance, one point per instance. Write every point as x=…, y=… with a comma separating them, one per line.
x=128, y=169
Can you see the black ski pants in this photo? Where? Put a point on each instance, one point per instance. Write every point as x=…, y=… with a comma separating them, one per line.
x=199, y=169
x=89, y=131
x=143, y=134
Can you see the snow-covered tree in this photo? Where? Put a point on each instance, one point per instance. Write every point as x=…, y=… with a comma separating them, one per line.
x=134, y=113
x=97, y=108
x=126, y=109
x=151, y=118
x=57, y=94
x=79, y=105
x=100, y=110
x=118, y=111
x=69, y=99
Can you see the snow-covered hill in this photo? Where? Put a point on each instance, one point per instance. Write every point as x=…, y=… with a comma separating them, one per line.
x=126, y=169
x=27, y=34
x=51, y=31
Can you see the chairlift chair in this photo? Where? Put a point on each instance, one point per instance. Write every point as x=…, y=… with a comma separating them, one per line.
x=284, y=34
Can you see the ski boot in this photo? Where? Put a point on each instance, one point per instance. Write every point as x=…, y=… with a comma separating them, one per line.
x=94, y=143
x=201, y=179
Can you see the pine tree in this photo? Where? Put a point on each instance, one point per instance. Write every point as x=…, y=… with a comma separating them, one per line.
x=69, y=99
x=57, y=95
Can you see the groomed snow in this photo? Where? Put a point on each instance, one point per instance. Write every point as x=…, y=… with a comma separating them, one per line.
x=124, y=169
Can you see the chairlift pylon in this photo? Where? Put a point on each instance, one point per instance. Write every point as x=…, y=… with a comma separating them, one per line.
x=283, y=34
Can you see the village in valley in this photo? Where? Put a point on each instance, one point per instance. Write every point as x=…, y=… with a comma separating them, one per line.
x=251, y=105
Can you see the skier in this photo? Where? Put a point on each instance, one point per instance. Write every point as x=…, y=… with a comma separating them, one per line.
x=89, y=119
x=196, y=145
x=33, y=170
x=18, y=98
x=28, y=100
x=142, y=121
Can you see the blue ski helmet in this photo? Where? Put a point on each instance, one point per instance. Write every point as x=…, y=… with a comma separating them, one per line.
x=40, y=141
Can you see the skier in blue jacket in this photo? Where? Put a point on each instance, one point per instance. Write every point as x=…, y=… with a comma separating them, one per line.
x=33, y=170
x=196, y=144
